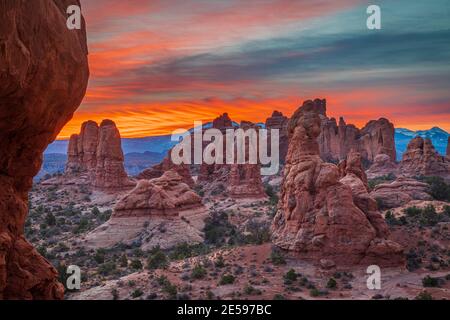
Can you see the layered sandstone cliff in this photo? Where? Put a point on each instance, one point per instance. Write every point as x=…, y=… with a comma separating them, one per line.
x=97, y=153
x=400, y=192
x=321, y=214
x=44, y=72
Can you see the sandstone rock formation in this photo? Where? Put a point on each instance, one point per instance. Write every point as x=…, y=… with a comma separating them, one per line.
x=400, y=192
x=160, y=212
x=222, y=122
x=337, y=140
x=280, y=122
x=382, y=166
x=96, y=156
x=420, y=158
x=44, y=74
x=158, y=170
x=237, y=180
x=320, y=217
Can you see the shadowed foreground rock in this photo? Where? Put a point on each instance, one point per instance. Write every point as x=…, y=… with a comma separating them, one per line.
x=44, y=74
x=321, y=217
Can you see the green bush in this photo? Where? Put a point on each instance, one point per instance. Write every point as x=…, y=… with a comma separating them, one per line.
x=107, y=268
x=220, y=262
x=383, y=179
x=290, y=276
x=99, y=256
x=136, y=264
x=217, y=228
x=331, y=284
x=412, y=211
x=430, y=282
x=184, y=250
x=424, y=295
x=198, y=272
x=277, y=257
x=157, y=259
x=439, y=189
x=250, y=290
x=227, y=279
x=137, y=293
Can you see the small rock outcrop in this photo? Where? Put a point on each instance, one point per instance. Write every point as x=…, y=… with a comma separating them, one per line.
x=163, y=212
x=44, y=74
x=382, y=166
x=158, y=170
x=400, y=192
x=95, y=156
x=422, y=159
x=320, y=217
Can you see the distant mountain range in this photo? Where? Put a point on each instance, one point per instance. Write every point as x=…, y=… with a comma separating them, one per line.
x=141, y=153
x=438, y=136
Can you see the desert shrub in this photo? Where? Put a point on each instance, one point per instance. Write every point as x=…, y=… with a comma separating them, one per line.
x=227, y=279
x=259, y=233
x=137, y=293
x=95, y=211
x=83, y=226
x=424, y=295
x=123, y=261
x=430, y=282
x=50, y=219
x=429, y=216
x=271, y=193
x=290, y=276
x=218, y=229
x=115, y=294
x=99, y=256
x=439, y=189
x=107, y=268
x=104, y=216
x=413, y=211
x=279, y=297
x=277, y=257
x=391, y=219
x=331, y=284
x=446, y=210
x=167, y=287
x=184, y=250
x=383, y=179
x=220, y=262
x=413, y=260
x=198, y=272
x=157, y=259
x=136, y=264
x=250, y=290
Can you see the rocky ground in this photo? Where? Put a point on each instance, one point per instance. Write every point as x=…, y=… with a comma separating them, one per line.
x=236, y=259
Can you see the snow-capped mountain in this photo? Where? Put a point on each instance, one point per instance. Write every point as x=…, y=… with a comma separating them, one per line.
x=438, y=136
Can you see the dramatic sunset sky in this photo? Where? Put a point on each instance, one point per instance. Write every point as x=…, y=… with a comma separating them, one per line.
x=160, y=65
